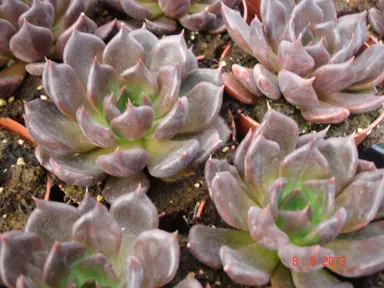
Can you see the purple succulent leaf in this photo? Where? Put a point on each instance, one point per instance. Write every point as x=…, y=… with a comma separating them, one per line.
x=293, y=200
x=250, y=265
x=123, y=51
x=11, y=78
x=304, y=255
x=319, y=53
x=264, y=230
x=367, y=189
x=140, y=10
x=174, y=9
x=204, y=103
x=281, y=129
x=52, y=221
x=273, y=195
x=349, y=247
x=135, y=213
x=294, y=58
x=21, y=254
x=281, y=277
x=353, y=24
x=260, y=46
x=7, y=31
x=104, y=31
x=45, y=123
x=169, y=81
x=11, y=10
x=306, y=12
x=356, y=103
x=82, y=24
x=40, y=14
x=60, y=6
x=364, y=166
x=295, y=223
x=324, y=113
x=43, y=156
x=36, y=69
x=303, y=164
x=334, y=77
x=261, y=165
x=58, y=264
x=139, y=78
x=146, y=39
x=342, y=157
x=296, y=90
x=25, y=282
x=87, y=204
x=96, y=133
x=161, y=26
x=376, y=18
x=189, y=283
x=192, y=63
x=266, y=82
x=78, y=170
x=199, y=21
x=328, y=30
x=90, y=46
x=98, y=265
x=205, y=242
x=168, y=157
x=125, y=161
x=64, y=88
x=75, y=8
x=117, y=186
x=133, y=273
x=274, y=17
x=318, y=279
x=98, y=232
x=173, y=122
x=328, y=7
x=237, y=28
x=110, y=109
x=241, y=151
x=230, y=200
x=345, y=53
x=153, y=248
x=245, y=77
x=38, y=39
x=306, y=138
x=197, y=76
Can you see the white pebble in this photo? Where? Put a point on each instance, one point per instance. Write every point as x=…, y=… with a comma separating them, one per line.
x=20, y=161
x=21, y=141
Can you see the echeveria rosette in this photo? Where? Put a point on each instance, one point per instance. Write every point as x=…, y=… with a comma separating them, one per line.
x=293, y=200
x=115, y=109
x=29, y=33
x=309, y=56
x=63, y=246
x=376, y=17
x=161, y=16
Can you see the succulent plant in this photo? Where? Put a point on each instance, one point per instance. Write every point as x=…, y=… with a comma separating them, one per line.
x=160, y=15
x=296, y=204
x=29, y=33
x=376, y=17
x=309, y=56
x=65, y=246
x=115, y=109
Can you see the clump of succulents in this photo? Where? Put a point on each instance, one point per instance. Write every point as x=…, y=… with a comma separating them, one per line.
x=309, y=56
x=376, y=17
x=160, y=16
x=63, y=246
x=296, y=204
x=29, y=33
x=115, y=109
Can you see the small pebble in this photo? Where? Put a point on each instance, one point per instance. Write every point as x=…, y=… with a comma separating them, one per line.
x=197, y=185
x=39, y=88
x=1, y=190
x=5, y=216
x=217, y=282
x=2, y=103
x=225, y=149
x=223, y=63
x=20, y=161
x=360, y=130
x=11, y=99
x=5, y=141
x=20, y=141
x=43, y=97
x=99, y=198
x=201, y=271
x=191, y=275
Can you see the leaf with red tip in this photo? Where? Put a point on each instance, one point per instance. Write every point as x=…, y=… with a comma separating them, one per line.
x=304, y=256
x=110, y=109
x=168, y=157
x=296, y=90
x=161, y=26
x=319, y=53
x=318, y=279
x=306, y=12
x=274, y=16
x=59, y=261
x=98, y=232
x=237, y=90
x=353, y=24
x=264, y=230
x=21, y=254
x=52, y=221
x=318, y=136
x=324, y=113
x=174, y=9
x=105, y=31
x=133, y=274
x=158, y=252
x=245, y=77
x=87, y=204
x=123, y=51
x=147, y=39
x=249, y=265
x=274, y=195
x=329, y=31
x=267, y=82
x=124, y=161
x=199, y=21
x=295, y=223
x=197, y=76
x=38, y=39
x=11, y=10
x=41, y=14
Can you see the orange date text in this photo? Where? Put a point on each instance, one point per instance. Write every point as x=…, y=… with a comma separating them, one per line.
x=332, y=261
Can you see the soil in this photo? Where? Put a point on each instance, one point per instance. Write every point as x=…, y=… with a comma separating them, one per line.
x=178, y=202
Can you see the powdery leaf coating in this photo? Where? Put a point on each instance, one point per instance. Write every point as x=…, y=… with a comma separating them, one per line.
x=309, y=56
x=108, y=116
x=300, y=195
x=63, y=245
x=161, y=16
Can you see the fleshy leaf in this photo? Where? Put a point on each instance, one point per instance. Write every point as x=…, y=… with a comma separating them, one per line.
x=267, y=82
x=324, y=113
x=318, y=279
x=133, y=273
